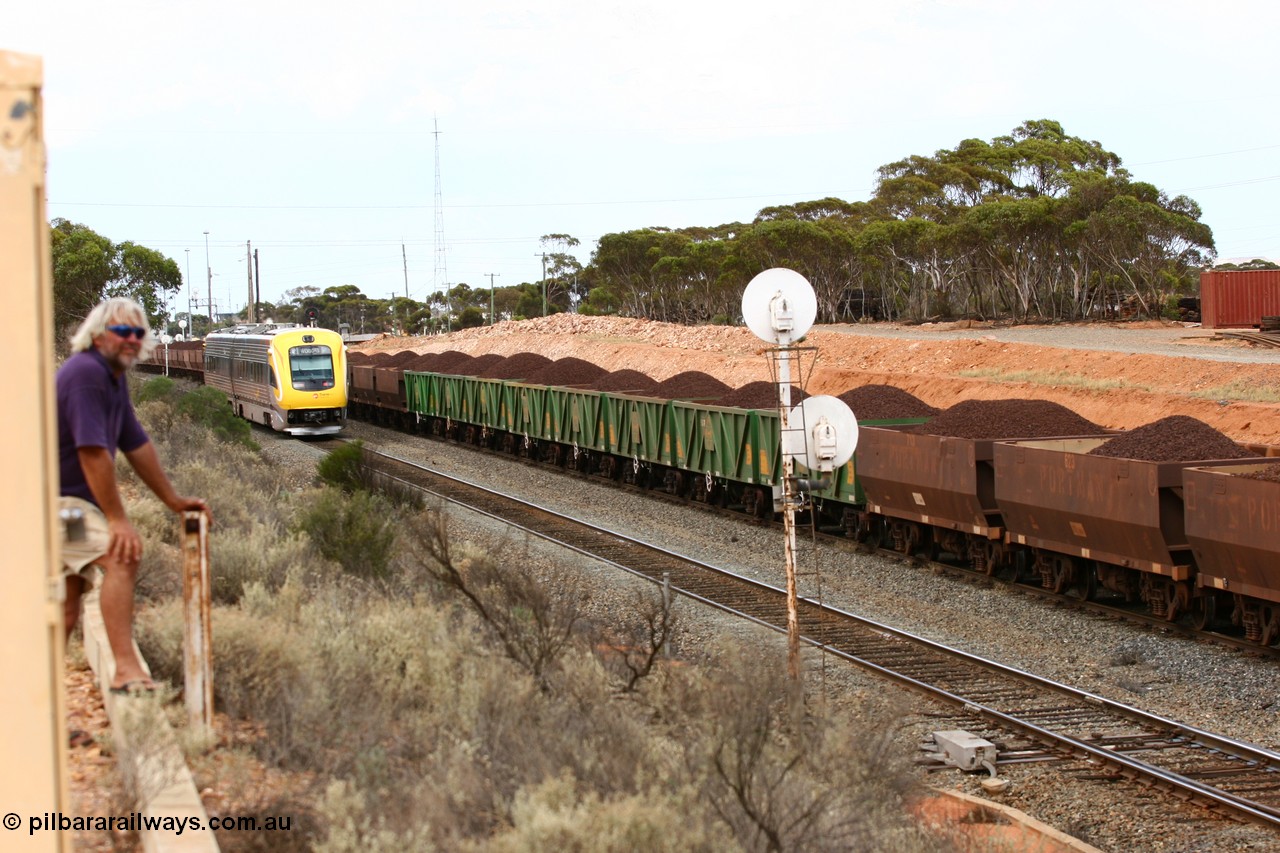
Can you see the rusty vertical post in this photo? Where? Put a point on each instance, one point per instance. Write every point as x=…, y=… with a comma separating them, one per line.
x=788, y=472
x=197, y=640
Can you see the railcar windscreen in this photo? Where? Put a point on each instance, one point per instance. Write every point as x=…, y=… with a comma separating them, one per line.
x=311, y=367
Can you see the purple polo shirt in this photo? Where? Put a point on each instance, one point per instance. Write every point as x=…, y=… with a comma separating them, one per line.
x=94, y=410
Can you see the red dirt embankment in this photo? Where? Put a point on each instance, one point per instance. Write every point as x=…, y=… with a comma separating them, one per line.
x=1119, y=389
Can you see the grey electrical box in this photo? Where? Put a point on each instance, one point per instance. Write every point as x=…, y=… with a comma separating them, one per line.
x=964, y=750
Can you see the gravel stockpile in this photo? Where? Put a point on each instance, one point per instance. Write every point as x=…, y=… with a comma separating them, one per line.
x=625, y=380
x=691, y=384
x=567, y=371
x=885, y=403
x=983, y=419
x=1176, y=438
x=1197, y=683
x=516, y=366
x=759, y=395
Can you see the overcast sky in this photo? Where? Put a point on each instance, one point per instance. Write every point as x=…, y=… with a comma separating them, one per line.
x=308, y=128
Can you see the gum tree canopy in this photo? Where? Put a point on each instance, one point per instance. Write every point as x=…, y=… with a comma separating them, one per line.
x=1032, y=225
x=88, y=267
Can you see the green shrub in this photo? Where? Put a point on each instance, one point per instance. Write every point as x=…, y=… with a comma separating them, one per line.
x=357, y=531
x=348, y=468
x=343, y=467
x=157, y=388
x=208, y=406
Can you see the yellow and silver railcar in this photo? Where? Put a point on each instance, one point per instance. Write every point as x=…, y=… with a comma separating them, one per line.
x=293, y=379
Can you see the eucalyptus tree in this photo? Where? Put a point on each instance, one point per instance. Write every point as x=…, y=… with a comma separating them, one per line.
x=562, y=270
x=627, y=264
x=1151, y=243
x=821, y=250
x=88, y=267
x=1035, y=223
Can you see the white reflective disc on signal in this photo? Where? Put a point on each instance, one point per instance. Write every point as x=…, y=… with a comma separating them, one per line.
x=822, y=433
x=779, y=306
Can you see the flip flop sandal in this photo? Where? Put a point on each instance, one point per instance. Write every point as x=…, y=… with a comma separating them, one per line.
x=137, y=687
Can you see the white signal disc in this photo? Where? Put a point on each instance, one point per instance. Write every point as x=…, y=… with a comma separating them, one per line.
x=758, y=309
x=798, y=440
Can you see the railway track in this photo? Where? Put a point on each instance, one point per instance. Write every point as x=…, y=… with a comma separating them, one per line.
x=1118, y=611
x=1229, y=776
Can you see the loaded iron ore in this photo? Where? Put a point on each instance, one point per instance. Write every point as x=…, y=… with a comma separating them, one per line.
x=449, y=360
x=759, y=395
x=885, y=403
x=399, y=359
x=625, y=380
x=995, y=419
x=483, y=362
x=1177, y=438
x=567, y=371
x=457, y=366
x=691, y=385
x=423, y=363
x=516, y=366
x=1270, y=473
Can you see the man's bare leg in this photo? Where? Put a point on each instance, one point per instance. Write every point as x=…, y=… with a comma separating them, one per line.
x=116, y=601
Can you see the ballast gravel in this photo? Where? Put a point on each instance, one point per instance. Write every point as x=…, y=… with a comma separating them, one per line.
x=1196, y=682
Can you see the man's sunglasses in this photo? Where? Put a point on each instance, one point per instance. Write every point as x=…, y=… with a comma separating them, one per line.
x=125, y=331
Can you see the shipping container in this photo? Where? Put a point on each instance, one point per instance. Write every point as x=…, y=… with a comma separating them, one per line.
x=1238, y=299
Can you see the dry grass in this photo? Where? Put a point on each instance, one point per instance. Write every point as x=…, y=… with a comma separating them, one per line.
x=1243, y=392
x=1054, y=378
x=455, y=700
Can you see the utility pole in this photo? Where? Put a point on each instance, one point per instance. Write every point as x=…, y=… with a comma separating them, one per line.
x=257, y=279
x=252, y=314
x=189, y=330
x=209, y=270
x=441, y=272
x=405, y=259
x=544, y=281
x=491, y=275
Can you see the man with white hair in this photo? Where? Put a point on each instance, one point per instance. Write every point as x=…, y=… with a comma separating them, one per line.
x=95, y=418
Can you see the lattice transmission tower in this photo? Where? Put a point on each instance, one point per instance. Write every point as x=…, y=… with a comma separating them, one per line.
x=441, y=281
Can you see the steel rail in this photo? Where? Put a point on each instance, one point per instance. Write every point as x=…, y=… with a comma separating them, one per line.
x=1164, y=730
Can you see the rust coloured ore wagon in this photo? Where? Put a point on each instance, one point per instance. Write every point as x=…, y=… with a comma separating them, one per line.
x=1233, y=528
x=1109, y=512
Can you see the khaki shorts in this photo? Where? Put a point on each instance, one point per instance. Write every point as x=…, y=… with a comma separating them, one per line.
x=78, y=557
